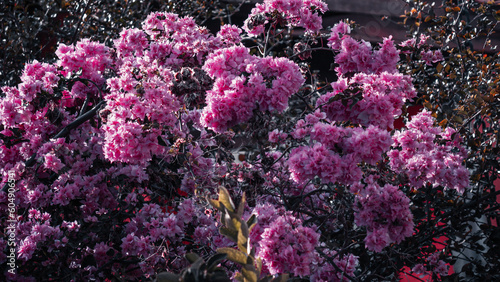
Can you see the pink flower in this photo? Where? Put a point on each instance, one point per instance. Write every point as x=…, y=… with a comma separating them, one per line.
x=383, y=95
x=338, y=30
x=430, y=56
x=52, y=162
x=229, y=35
x=235, y=95
x=441, y=268
x=327, y=272
x=300, y=13
x=286, y=246
x=277, y=136
x=377, y=240
x=385, y=212
x=26, y=249
x=423, y=160
x=418, y=269
x=131, y=41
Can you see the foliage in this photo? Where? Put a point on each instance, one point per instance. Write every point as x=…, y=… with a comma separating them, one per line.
x=31, y=30
x=463, y=91
x=198, y=270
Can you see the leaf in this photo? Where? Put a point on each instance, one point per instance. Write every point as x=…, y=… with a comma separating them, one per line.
x=251, y=222
x=225, y=199
x=231, y=221
x=167, y=277
x=214, y=203
x=239, y=277
x=478, y=99
x=229, y=233
x=334, y=98
x=194, y=271
x=439, y=67
x=259, y=266
x=192, y=257
x=354, y=102
x=248, y=272
x=214, y=260
x=219, y=276
x=65, y=4
x=195, y=267
x=161, y=142
x=458, y=119
x=243, y=238
x=252, y=252
x=241, y=206
x=250, y=260
x=233, y=255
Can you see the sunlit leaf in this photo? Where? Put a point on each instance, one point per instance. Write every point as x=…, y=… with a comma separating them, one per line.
x=249, y=273
x=229, y=233
x=225, y=199
x=233, y=255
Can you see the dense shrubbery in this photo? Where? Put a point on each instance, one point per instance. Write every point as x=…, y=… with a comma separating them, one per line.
x=114, y=151
x=31, y=30
x=462, y=91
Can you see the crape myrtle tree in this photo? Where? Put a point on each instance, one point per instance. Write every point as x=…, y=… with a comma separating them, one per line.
x=118, y=154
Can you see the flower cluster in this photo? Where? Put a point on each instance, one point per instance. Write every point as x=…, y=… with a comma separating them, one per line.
x=371, y=99
x=90, y=58
x=29, y=112
x=155, y=66
x=359, y=56
x=292, y=13
x=369, y=90
x=154, y=229
x=37, y=77
x=337, y=151
x=284, y=244
x=38, y=230
x=94, y=174
x=416, y=154
x=382, y=97
x=175, y=41
x=295, y=251
x=130, y=132
x=229, y=35
x=385, y=212
x=432, y=56
x=327, y=272
x=423, y=49
x=433, y=264
x=244, y=83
